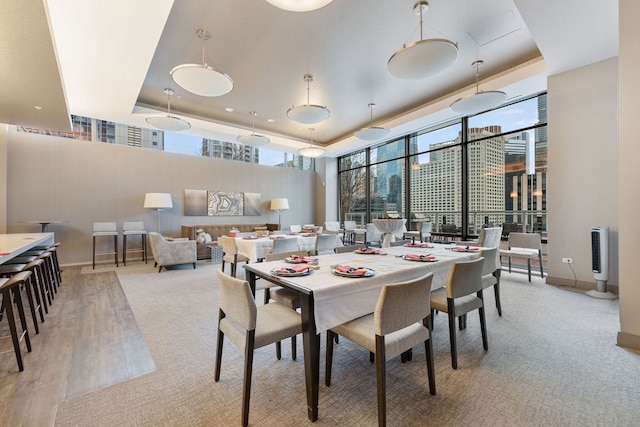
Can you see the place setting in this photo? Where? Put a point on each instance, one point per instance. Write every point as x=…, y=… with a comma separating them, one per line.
x=292, y=271
x=297, y=259
x=463, y=249
x=348, y=271
x=369, y=251
x=255, y=237
x=419, y=258
x=418, y=245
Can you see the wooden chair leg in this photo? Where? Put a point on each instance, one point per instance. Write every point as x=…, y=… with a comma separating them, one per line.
x=382, y=381
x=294, y=348
x=329, y=359
x=248, y=369
x=540, y=259
x=483, y=323
x=428, y=349
x=220, y=342
x=529, y=267
x=496, y=292
x=452, y=333
x=279, y=350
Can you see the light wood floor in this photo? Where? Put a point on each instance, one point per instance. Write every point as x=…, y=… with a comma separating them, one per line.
x=89, y=340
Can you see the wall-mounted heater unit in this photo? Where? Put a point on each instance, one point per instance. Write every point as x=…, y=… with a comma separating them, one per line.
x=600, y=262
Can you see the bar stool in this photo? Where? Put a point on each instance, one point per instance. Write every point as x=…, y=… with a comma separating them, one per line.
x=10, y=270
x=132, y=229
x=48, y=269
x=102, y=229
x=36, y=266
x=54, y=256
x=7, y=288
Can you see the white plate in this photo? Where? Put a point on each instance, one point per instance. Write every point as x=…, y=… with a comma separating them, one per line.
x=292, y=274
x=370, y=272
x=420, y=260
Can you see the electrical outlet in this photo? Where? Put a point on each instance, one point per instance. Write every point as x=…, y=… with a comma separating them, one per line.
x=567, y=260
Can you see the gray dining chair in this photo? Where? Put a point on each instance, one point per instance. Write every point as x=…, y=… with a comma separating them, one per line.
x=249, y=327
x=286, y=244
x=490, y=276
x=284, y=296
x=462, y=294
x=325, y=244
x=400, y=322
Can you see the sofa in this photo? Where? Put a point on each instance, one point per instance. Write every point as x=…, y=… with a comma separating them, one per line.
x=217, y=230
x=166, y=252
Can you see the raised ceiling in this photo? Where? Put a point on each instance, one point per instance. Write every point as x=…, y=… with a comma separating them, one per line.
x=114, y=57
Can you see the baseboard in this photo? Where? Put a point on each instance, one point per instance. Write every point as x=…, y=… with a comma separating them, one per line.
x=586, y=286
x=630, y=341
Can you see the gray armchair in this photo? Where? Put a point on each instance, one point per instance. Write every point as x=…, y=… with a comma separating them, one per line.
x=176, y=252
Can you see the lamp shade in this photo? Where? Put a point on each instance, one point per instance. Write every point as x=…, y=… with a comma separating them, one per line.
x=168, y=122
x=158, y=201
x=279, y=204
x=300, y=5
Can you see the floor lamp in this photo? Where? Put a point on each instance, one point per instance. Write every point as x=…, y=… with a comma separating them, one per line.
x=279, y=205
x=158, y=201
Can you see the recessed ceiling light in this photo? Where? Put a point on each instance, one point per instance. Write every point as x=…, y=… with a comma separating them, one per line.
x=271, y=120
x=37, y=107
x=229, y=110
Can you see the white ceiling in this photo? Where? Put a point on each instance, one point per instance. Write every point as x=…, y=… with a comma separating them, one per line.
x=114, y=60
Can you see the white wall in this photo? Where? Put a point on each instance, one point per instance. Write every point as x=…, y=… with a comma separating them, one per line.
x=83, y=182
x=629, y=174
x=582, y=169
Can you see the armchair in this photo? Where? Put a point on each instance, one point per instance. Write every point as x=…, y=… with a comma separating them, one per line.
x=167, y=252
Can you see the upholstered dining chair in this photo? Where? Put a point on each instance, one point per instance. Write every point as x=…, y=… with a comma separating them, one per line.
x=462, y=294
x=284, y=296
x=285, y=245
x=230, y=253
x=524, y=245
x=490, y=274
x=400, y=322
x=374, y=235
x=347, y=249
x=325, y=244
x=424, y=234
x=332, y=227
x=249, y=327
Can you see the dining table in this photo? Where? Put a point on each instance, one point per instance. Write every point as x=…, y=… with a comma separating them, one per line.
x=330, y=297
x=256, y=248
x=390, y=228
x=14, y=244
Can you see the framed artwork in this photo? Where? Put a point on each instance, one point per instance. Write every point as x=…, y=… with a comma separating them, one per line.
x=252, y=204
x=221, y=203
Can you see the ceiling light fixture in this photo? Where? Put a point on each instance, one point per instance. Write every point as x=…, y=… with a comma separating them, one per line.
x=479, y=101
x=299, y=5
x=372, y=133
x=311, y=150
x=308, y=113
x=202, y=79
x=253, y=140
x=168, y=122
x=424, y=58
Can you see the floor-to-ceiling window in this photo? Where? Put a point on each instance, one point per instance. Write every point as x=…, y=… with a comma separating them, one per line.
x=474, y=172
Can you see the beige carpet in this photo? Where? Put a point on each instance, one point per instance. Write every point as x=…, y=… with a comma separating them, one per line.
x=552, y=360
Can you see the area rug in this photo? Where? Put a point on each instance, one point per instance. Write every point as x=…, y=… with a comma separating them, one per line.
x=551, y=360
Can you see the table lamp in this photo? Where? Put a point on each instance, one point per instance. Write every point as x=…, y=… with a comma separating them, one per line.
x=158, y=201
x=279, y=205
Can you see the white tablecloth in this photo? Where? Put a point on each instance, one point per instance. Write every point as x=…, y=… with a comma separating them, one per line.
x=340, y=299
x=256, y=249
x=390, y=229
